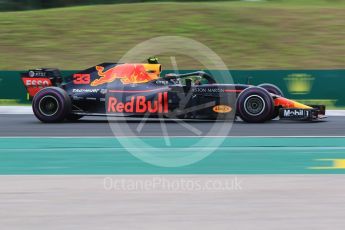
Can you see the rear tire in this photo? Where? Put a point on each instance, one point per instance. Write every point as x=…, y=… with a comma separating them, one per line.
x=51, y=105
x=275, y=90
x=255, y=105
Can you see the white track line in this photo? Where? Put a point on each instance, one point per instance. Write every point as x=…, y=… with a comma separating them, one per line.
x=28, y=110
x=140, y=137
x=16, y=110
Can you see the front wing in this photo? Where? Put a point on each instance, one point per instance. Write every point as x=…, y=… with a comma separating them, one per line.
x=313, y=114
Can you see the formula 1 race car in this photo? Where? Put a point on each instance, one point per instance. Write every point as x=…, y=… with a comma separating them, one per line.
x=112, y=89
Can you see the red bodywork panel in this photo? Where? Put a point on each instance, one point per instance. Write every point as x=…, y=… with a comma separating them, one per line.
x=33, y=85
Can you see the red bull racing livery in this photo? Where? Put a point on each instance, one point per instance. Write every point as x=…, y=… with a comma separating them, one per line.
x=139, y=104
x=138, y=90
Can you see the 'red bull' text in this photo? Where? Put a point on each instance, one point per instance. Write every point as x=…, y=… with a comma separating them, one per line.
x=139, y=104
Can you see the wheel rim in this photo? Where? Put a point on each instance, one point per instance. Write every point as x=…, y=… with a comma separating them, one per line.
x=48, y=106
x=254, y=105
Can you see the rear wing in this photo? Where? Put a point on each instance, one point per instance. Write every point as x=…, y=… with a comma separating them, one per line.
x=37, y=79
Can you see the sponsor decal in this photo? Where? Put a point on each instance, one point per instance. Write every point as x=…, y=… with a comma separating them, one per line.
x=37, y=73
x=296, y=113
x=85, y=90
x=33, y=85
x=81, y=79
x=207, y=90
x=299, y=83
x=127, y=73
x=104, y=91
x=36, y=82
x=293, y=113
x=91, y=98
x=139, y=104
x=77, y=98
x=222, y=109
x=162, y=82
x=31, y=73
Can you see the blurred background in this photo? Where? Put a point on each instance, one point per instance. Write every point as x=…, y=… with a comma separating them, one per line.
x=253, y=34
x=298, y=45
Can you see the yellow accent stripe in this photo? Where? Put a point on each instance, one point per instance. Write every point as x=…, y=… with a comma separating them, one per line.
x=336, y=164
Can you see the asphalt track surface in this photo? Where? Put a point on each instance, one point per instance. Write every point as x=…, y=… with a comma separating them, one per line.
x=27, y=125
x=262, y=202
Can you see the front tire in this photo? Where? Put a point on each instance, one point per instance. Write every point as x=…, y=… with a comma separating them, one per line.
x=51, y=105
x=272, y=89
x=255, y=105
x=275, y=90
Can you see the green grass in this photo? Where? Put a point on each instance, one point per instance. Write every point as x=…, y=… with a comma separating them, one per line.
x=4, y=102
x=246, y=35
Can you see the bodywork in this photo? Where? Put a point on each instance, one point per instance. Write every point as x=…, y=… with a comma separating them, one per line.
x=138, y=90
